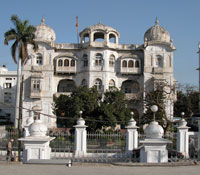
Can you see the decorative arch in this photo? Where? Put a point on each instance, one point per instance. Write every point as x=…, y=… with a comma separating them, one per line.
x=85, y=60
x=111, y=60
x=124, y=63
x=98, y=84
x=86, y=37
x=159, y=61
x=39, y=59
x=98, y=59
x=66, y=85
x=130, y=86
x=84, y=82
x=130, y=63
x=111, y=84
x=112, y=38
x=98, y=36
x=137, y=64
x=73, y=63
x=60, y=63
x=66, y=62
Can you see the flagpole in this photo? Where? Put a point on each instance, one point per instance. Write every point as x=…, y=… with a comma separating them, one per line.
x=77, y=29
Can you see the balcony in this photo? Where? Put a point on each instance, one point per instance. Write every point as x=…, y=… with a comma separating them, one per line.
x=158, y=70
x=128, y=70
x=65, y=70
x=35, y=94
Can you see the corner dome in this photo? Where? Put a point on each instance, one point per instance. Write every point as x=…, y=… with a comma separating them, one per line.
x=3, y=69
x=157, y=33
x=154, y=131
x=44, y=32
x=37, y=129
x=100, y=27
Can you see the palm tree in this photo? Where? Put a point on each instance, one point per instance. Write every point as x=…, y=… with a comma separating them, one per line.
x=22, y=35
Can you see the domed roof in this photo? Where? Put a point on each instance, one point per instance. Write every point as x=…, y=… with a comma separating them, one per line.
x=44, y=32
x=37, y=129
x=154, y=131
x=3, y=69
x=99, y=27
x=157, y=33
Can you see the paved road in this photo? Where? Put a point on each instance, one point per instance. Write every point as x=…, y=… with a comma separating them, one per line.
x=22, y=169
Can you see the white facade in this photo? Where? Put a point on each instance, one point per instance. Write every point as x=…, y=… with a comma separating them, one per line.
x=99, y=60
x=7, y=94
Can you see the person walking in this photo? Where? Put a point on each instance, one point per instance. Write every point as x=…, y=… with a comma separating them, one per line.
x=9, y=150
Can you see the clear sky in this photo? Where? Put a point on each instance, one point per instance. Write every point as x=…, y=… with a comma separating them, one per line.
x=131, y=18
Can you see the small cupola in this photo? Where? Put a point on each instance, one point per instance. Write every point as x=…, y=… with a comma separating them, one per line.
x=99, y=35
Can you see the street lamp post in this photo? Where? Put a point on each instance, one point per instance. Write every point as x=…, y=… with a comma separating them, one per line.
x=182, y=115
x=154, y=109
x=80, y=113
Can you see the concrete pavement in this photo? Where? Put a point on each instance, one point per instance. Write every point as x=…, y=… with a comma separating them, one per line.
x=94, y=169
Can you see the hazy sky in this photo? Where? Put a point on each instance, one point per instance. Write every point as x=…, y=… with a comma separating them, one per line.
x=131, y=18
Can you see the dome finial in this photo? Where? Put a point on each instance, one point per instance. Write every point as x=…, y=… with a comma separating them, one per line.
x=43, y=20
x=156, y=22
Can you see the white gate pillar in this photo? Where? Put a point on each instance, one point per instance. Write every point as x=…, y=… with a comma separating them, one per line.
x=182, y=138
x=80, y=138
x=199, y=140
x=131, y=136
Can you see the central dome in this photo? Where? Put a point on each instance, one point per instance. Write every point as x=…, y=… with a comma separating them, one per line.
x=44, y=32
x=157, y=33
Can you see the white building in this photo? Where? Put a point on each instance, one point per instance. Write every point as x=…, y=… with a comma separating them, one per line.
x=98, y=60
x=7, y=94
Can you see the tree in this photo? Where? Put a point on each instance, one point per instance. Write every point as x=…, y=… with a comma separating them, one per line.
x=22, y=34
x=99, y=110
x=117, y=105
x=81, y=99
x=159, y=96
x=187, y=100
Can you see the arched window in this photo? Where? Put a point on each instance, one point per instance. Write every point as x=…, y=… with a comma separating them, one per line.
x=60, y=63
x=112, y=38
x=137, y=64
x=170, y=61
x=72, y=63
x=124, y=63
x=99, y=59
x=86, y=38
x=159, y=62
x=130, y=86
x=66, y=62
x=99, y=36
x=111, y=60
x=66, y=85
x=130, y=63
x=111, y=84
x=84, y=82
x=85, y=60
x=39, y=59
x=98, y=84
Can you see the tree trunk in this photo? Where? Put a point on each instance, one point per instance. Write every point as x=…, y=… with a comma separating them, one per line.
x=17, y=97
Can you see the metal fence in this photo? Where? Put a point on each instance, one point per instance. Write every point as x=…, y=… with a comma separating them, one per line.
x=5, y=136
x=101, y=147
x=63, y=144
x=106, y=142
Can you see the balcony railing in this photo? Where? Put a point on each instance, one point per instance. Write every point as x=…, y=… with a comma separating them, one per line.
x=35, y=94
x=62, y=69
x=128, y=70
